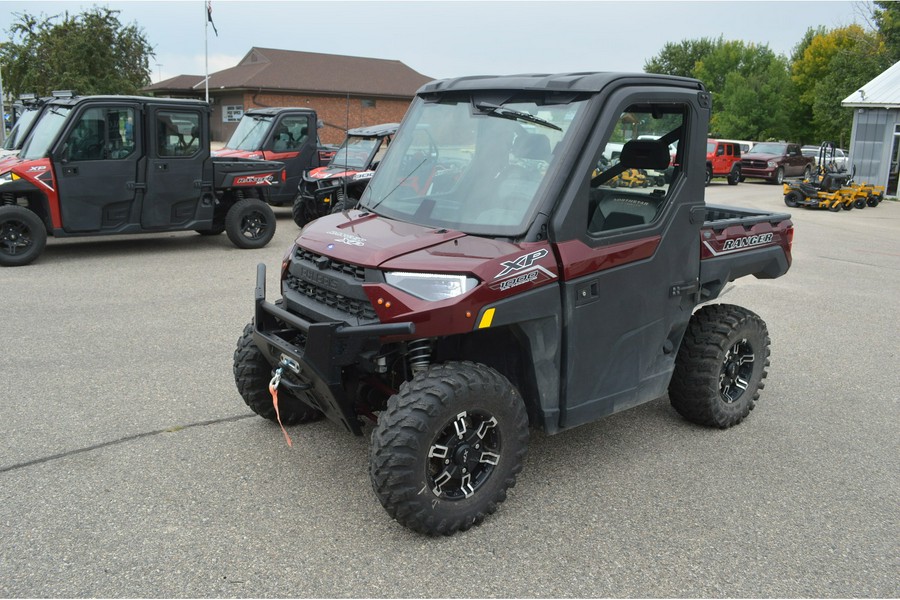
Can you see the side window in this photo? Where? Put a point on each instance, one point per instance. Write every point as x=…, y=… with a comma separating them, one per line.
x=120, y=133
x=290, y=134
x=177, y=133
x=640, y=160
x=720, y=150
x=102, y=134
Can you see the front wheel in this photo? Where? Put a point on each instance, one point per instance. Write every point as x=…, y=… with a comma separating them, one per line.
x=793, y=198
x=22, y=236
x=448, y=447
x=709, y=174
x=250, y=223
x=860, y=203
x=779, y=176
x=807, y=173
x=720, y=366
x=252, y=373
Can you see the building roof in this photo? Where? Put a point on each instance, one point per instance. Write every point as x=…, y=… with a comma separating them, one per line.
x=883, y=91
x=310, y=72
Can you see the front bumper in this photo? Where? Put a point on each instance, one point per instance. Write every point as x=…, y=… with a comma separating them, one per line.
x=766, y=173
x=318, y=363
x=319, y=191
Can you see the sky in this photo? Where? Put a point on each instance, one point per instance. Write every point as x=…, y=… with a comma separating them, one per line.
x=443, y=39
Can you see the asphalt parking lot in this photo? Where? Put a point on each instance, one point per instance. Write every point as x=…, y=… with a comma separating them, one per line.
x=132, y=468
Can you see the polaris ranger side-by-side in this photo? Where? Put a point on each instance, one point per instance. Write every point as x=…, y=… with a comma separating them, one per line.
x=491, y=281
x=338, y=185
x=286, y=134
x=100, y=165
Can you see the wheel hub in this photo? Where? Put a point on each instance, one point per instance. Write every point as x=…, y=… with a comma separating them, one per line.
x=13, y=236
x=463, y=455
x=737, y=370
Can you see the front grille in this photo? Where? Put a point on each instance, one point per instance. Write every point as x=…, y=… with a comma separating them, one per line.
x=755, y=164
x=360, y=309
x=358, y=273
x=331, y=283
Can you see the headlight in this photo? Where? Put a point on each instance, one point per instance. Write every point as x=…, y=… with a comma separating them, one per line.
x=772, y=163
x=7, y=177
x=431, y=286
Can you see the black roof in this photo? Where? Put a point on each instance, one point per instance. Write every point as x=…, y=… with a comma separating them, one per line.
x=276, y=110
x=375, y=130
x=565, y=82
x=139, y=99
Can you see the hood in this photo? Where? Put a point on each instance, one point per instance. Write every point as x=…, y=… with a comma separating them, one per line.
x=232, y=153
x=759, y=156
x=366, y=239
x=330, y=172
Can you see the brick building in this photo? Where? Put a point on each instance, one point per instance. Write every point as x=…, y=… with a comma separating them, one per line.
x=345, y=91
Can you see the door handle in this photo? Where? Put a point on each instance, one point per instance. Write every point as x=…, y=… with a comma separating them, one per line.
x=70, y=170
x=162, y=166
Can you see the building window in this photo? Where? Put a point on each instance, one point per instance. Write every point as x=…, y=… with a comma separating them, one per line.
x=368, y=102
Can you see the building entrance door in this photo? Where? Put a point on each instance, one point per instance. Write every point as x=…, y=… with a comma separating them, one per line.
x=894, y=172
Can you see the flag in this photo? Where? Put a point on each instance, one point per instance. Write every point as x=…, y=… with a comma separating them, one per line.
x=209, y=16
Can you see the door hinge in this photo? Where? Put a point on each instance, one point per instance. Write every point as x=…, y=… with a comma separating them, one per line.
x=680, y=289
x=132, y=185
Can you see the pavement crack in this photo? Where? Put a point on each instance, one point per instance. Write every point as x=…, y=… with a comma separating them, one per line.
x=123, y=440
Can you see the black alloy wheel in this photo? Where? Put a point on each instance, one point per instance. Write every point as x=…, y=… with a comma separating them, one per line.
x=250, y=223
x=22, y=236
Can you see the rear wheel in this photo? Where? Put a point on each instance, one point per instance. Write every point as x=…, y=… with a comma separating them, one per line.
x=22, y=236
x=835, y=206
x=250, y=223
x=807, y=172
x=720, y=366
x=448, y=447
x=252, y=374
x=735, y=176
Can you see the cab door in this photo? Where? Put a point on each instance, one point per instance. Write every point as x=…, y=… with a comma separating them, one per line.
x=178, y=162
x=720, y=160
x=96, y=166
x=293, y=142
x=630, y=273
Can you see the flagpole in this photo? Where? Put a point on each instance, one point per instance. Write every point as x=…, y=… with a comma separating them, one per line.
x=206, y=49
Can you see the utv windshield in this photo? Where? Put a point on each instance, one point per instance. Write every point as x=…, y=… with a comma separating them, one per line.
x=354, y=153
x=471, y=165
x=20, y=130
x=45, y=132
x=250, y=133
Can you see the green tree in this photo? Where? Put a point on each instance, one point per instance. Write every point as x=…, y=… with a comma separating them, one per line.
x=831, y=66
x=887, y=21
x=681, y=58
x=751, y=89
x=91, y=53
